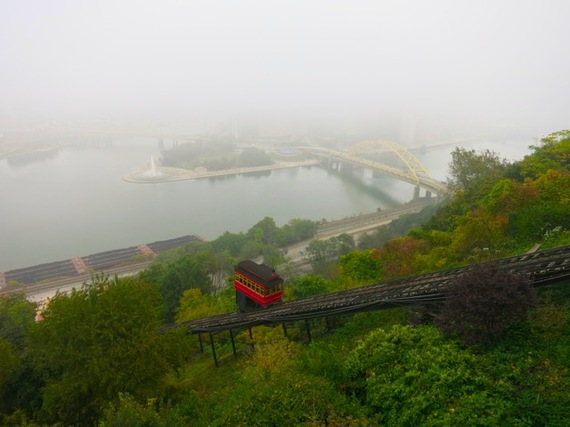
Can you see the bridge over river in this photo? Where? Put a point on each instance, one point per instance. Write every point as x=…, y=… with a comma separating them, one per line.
x=366, y=154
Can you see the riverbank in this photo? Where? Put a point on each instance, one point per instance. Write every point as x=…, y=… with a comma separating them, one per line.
x=160, y=174
x=40, y=290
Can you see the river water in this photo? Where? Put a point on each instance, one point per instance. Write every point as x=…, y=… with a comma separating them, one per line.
x=76, y=203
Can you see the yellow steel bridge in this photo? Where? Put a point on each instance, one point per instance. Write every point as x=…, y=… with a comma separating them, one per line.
x=412, y=170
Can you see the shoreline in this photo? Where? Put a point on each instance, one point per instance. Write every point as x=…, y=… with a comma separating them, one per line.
x=168, y=174
x=357, y=225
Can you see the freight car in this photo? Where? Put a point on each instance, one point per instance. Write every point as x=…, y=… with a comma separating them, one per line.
x=257, y=285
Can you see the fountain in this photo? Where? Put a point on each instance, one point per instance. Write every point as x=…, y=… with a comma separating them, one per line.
x=153, y=172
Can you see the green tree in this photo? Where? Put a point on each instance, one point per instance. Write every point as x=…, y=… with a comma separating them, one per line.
x=219, y=163
x=480, y=236
x=194, y=304
x=436, y=253
x=553, y=152
x=251, y=249
x=290, y=399
x=413, y=376
x=303, y=229
x=536, y=207
x=362, y=266
x=19, y=384
x=273, y=392
x=129, y=413
x=265, y=231
x=95, y=343
x=377, y=238
x=273, y=256
x=554, y=187
x=324, y=251
x=230, y=242
x=344, y=243
x=185, y=272
x=253, y=156
x=397, y=228
x=308, y=286
x=219, y=266
x=322, y=254
x=16, y=317
x=473, y=174
x=9, y=362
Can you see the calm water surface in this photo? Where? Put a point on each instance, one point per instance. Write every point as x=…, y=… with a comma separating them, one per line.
x=76, y=203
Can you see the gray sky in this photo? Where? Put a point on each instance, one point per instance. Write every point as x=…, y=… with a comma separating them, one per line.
x=505, y=61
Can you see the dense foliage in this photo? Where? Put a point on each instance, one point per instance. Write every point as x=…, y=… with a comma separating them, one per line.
x=264, y=237
x=96, y=342
x=308, y=286
x=413, y=376
x=323, y=254
x=187, y=154
x=482, y=303
x=214, y=155
x=102, y=355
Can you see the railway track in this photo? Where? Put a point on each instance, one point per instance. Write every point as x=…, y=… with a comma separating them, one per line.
x=543, y=267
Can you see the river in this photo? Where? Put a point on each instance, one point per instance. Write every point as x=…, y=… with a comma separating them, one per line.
x=76, y=203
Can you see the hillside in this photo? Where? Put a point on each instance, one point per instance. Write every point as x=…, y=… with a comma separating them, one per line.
x=496, y=353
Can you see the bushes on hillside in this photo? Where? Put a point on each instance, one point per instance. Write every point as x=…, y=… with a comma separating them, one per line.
x=413, y=376
x=482, y=303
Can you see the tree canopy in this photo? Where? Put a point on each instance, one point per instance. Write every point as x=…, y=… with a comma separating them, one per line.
x=103, y=354
x=472, y=173
x=95, y=343
x=482, y=303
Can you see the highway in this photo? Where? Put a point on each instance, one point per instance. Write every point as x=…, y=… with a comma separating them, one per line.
x=356, y=226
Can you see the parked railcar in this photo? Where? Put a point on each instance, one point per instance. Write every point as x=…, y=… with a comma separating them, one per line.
x=257, y=285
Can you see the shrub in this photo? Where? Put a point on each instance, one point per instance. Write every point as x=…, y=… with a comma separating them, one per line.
x=414, y=376
x=484, y=302
x=308, y=286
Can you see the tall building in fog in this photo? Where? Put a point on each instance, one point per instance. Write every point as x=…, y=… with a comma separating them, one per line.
x=407, y=129
x=235, y=129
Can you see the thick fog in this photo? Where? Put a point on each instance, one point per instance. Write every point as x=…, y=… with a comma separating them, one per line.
x=503, y=63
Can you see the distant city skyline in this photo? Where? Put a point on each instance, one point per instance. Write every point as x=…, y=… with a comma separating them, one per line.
x=454, y=66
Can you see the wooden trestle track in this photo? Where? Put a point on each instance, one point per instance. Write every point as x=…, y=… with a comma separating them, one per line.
x=543, y=267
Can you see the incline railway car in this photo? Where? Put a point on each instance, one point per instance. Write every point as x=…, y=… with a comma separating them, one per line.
x=256, y=285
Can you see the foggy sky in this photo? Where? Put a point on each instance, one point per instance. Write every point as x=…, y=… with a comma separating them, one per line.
x=503, y=61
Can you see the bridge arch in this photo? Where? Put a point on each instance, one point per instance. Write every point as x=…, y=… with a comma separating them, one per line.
x=412, y=163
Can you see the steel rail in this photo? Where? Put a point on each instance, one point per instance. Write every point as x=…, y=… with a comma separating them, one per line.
x=542, y=267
